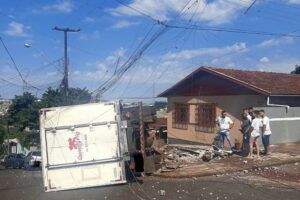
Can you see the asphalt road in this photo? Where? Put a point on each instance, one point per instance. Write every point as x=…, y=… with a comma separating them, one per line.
x=27, y=185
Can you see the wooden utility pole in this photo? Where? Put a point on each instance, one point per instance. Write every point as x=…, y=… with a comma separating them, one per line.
x=142, y=134
x=65, y=82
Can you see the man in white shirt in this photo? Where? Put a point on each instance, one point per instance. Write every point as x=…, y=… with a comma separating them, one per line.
x=250, y=114
x=266, y=131
x=256, y=127
x=225, y=124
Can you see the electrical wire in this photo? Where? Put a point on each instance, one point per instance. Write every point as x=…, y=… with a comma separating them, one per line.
x=13, y=61
x=133, y=59
x=251, y=5
x=241, y=31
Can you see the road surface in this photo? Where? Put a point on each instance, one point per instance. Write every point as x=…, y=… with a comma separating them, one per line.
x=27, y=185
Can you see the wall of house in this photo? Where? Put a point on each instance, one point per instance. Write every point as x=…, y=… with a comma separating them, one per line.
x=232, y=104
x=285, y=124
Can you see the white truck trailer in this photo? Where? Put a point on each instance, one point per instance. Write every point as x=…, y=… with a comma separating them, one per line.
x=83, y=146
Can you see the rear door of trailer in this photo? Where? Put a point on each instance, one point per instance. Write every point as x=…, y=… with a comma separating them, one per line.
x=82, y=146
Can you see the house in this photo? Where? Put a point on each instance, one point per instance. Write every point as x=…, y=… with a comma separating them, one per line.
x=196, y=101
x=14, y=146
x=4, y=105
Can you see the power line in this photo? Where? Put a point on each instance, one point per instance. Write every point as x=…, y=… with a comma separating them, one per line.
x=216, y=29
x=14, y=63
x=137, y=55
x=251, y=5
x=9, y=82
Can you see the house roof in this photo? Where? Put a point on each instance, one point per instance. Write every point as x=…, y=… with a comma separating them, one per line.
x=265, y=83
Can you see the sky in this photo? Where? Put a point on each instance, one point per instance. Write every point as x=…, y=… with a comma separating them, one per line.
x=113, y=31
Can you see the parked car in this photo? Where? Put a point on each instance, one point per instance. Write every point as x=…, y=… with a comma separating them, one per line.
x=33, y=159
x=14, y=160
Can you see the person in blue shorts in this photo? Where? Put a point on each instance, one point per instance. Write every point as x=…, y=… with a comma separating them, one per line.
x=266, y=132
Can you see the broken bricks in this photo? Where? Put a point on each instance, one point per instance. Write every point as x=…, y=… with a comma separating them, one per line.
x=178, y=156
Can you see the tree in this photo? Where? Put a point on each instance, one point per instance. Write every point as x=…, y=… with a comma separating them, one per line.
x=51, y=98
x=22, y=118
x=23, y=112
x=296, y=70
x=160, y=105
x=55, y=97
x=79, y=96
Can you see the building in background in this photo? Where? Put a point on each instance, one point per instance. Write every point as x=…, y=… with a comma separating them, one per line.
x=4, y=105
x=14, y=146
x=196, y=101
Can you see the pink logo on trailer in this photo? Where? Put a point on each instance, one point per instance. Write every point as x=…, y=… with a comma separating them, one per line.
x=76, y=144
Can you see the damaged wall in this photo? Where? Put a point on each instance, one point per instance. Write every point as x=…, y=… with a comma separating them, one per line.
x=232, y=104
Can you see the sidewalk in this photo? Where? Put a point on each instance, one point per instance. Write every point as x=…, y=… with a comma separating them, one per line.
x=282, y=154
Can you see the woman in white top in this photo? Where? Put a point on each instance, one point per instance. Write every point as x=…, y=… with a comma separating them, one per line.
x=255, y=130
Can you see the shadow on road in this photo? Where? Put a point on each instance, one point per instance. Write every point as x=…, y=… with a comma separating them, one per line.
x=33, y=169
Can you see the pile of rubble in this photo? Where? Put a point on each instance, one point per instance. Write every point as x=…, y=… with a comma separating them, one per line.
x=178, y=156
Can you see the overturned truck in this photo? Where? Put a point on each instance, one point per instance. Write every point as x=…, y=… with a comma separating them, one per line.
x=83, y=146
x=93, y=144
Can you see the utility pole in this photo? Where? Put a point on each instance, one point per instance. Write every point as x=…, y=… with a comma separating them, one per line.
x=142, y=133
x=65, y=82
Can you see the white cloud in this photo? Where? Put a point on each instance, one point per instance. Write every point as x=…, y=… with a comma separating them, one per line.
x=124, y=24
x=294, y=1
x=63, y=6
x=93, y=36
x=275, y=42
x=77, y=72
x=283, y=65
x=188, y=54
x=106, y=66
x=264, y=60
x=17, y=29
x=165, y=69
x=89, y=19
x=213, y=12
x=52, y=74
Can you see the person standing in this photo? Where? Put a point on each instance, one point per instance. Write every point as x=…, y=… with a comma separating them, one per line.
x=256, y=127
x=250, y=114
x=225, y=124
x=266, y=131
x=245, y=130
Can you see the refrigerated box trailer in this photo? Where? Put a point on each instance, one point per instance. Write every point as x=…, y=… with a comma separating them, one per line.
x=83, y=146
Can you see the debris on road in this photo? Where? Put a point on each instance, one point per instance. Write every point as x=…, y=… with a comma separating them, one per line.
x=179, y=156
x=162, y=192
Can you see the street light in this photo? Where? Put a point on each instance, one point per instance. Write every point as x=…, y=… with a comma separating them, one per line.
x=27, y=45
